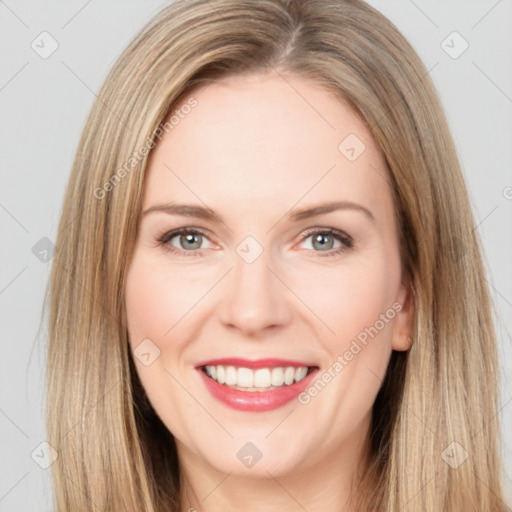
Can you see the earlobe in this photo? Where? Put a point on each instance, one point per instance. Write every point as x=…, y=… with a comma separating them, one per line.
x=404, y=319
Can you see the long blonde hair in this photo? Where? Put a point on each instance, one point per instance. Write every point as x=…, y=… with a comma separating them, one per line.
x=114, y=454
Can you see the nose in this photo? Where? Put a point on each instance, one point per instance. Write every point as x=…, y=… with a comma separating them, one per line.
x=254, y=298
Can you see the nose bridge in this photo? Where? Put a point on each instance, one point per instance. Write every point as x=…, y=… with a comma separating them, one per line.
x=254, y=298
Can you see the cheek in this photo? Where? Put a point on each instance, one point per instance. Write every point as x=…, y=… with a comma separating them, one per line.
x=159, y=296
x=350, y=298
x=157, y=300
x=357, y=306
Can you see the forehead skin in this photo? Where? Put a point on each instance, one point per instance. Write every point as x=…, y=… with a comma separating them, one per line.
x=267, y=140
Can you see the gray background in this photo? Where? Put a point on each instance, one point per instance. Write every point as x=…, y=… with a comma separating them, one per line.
x=43, y=105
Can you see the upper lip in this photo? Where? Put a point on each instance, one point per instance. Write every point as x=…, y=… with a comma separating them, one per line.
x=254, y=363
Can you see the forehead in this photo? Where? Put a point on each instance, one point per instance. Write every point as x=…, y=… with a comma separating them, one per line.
x=270, y=140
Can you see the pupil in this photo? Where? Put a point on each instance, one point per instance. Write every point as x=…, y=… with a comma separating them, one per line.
x=321, y=239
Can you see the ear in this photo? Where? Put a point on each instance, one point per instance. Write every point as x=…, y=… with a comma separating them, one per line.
x=404, y=319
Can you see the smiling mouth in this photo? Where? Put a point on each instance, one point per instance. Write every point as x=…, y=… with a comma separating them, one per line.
x=256, y=385
x=254, y=380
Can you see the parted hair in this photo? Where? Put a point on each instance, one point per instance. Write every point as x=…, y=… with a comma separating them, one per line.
x=114, y=453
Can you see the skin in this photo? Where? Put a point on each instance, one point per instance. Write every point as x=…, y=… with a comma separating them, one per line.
x=254, y=150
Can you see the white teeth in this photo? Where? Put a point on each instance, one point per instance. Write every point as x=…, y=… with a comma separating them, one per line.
x=230, y=376
x=300, y=373
x=289, y=375
x=262, y=378
x=240, y=377
x=278, y=376
x=245, y=378
x=221, y=374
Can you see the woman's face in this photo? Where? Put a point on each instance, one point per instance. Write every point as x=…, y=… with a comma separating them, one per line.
x=266, y=282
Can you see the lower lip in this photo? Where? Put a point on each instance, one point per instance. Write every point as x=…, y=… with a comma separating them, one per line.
x=256, y=401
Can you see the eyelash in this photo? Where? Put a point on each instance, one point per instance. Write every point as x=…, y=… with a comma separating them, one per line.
x=346, y=241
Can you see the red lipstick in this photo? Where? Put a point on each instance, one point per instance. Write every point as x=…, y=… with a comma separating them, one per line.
x=256, y=401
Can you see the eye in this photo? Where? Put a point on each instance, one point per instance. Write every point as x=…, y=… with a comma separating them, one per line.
x=184, y=240
x=191, y=241
x=328, y=242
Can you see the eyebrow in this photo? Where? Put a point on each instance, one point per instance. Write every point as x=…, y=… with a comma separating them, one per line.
x=201, y=212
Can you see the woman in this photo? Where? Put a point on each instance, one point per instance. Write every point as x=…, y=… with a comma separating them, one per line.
x=268, y=291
